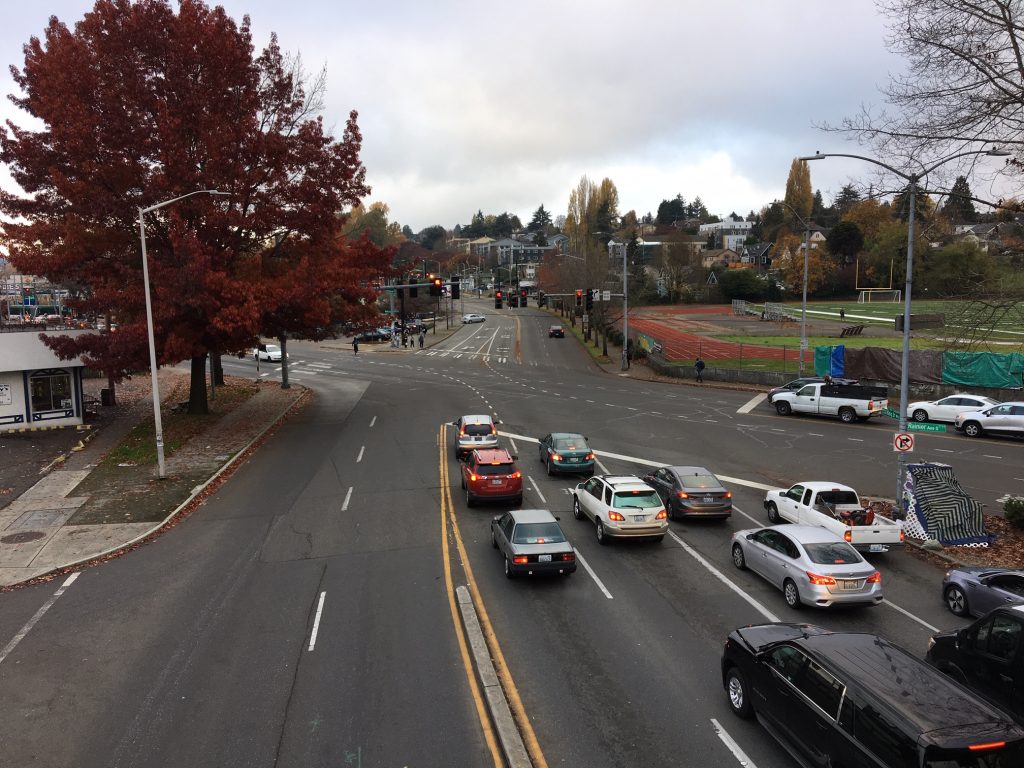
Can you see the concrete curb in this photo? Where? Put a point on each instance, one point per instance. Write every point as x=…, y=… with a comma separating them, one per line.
x=177, y=510
x=508, y=734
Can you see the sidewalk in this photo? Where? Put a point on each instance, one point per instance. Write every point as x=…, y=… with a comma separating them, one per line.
x=87, y=509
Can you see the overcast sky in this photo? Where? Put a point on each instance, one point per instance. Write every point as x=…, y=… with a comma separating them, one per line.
x=502, y=106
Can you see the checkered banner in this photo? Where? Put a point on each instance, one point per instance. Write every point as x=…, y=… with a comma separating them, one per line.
x=938, y=508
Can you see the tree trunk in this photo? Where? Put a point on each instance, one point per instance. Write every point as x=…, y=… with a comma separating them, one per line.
x=218, y=369
x=197, y=403
x=110, y=373
x=284, y=362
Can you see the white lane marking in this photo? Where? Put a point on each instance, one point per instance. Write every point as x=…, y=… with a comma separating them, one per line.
x=38, y=615
x=534, y=484
x=515, y=449
x=316, y=621
x=987, y=456
x=590, y=401
x=855, y=439
x=360, y=456
x=908, y=614
x=733, y=747
x=655, y=413
x=815, y=434
x=724, y=579
x=649, y=463
x=373, y=421
x=604, y=469
x=751, y=518
x=943, y=450
x=348, y=497
x=593, y=575
x=751, y=404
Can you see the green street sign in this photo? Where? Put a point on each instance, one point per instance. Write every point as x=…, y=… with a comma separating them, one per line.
x=892, y=413
x=919, y=427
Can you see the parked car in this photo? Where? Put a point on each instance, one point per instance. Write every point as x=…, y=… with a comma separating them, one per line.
x=856, y=699
x=270, y=352
x=811, y=565
x=947, y=408
x=556, y=332
x=491, y=474
x=531, y=541
x=473, y=317
x=850, y=402
x=373, y=336
x=566, y=452
x=474, y=431
x=621, y=506
x=973, y=590
x=987, y=656
x=1002, y=419
x=691, y=492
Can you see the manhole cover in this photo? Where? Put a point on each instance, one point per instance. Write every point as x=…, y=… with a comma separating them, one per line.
x=22, y=538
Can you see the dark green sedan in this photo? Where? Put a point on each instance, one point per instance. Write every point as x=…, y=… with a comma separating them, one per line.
x=566, y=452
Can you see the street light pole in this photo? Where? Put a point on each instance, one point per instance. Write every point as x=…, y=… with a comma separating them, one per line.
x=157, y=422
x=625, y=311
x=912, y=179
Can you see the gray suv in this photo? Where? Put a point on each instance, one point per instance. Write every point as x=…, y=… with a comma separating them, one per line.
x=1003, y=419
x=472, y=432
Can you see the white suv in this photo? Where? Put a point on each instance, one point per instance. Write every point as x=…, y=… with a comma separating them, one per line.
x=621, y=506
x=1005, y=418
x=474, y=432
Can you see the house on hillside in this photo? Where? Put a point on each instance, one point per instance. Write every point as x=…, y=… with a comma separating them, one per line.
x=757, y=255
x=714, y=258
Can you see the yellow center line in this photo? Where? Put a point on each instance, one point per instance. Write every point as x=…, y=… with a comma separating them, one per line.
x=474, y=687
x=500, y=666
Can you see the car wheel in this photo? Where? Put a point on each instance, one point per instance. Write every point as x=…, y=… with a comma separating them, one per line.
x=956, y=600
x=576, y=511
x=791, y=593
x=602, y=537
x=773, y=513
x=470, y=501
x=957, y=674
x=518, y=501
x=737, y=556
x=920, y=415
x=783, y=408
x=847, y=415
x=463, y=479
x=548, y=464
x=658, y=539
x=736, y=687
x=509, y=573
x=972, y=429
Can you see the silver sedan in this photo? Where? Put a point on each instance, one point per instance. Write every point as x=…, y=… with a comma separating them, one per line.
x=976, y=590
x=812, y=566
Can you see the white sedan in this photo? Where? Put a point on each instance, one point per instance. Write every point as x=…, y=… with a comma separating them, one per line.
x=947, y=408
x=270, y=352
x=473, y=317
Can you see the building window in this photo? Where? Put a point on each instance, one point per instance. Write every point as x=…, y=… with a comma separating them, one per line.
x=51, y=390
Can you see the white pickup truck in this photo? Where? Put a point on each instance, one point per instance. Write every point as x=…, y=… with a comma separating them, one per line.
x=850, y=402
x=836, y=508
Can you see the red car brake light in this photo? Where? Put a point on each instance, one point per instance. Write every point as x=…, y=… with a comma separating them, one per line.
x=474, y=477
x=590, y=457
x=875, y=578
x=569, y=556
x=728, y=494
x=516, y=475
x=682, y=494
x=616, y=516
x=661, y=515
x=555, y=457
x=989, y=745
x=821, y=581
x=520, y=559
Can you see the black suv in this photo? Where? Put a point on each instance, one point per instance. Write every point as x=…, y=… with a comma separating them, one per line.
x=987, y=656
x=843, y=698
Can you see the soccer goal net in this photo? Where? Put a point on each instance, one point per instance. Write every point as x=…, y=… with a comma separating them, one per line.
x=871, y=295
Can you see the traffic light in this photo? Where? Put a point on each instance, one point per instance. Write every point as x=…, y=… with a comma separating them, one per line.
x=522, y=297
x=435, y=286
x=590, y=299
x=579, y=297
x=456, y=289
x=497, y=299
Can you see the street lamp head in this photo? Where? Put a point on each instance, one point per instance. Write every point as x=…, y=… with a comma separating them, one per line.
x=816, y=156
x=997, y=152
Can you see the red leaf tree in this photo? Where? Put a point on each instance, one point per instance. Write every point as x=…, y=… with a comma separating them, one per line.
x=139, y=104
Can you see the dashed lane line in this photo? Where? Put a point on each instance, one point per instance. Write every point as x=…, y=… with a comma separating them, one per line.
x=732, y=746
x=316, y=622
x=586, y=566
x=537, y=490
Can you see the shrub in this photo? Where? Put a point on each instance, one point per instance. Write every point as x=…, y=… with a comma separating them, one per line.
x=1014, y=509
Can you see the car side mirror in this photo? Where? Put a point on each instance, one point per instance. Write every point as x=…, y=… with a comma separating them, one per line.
x=497, y=422
x=750, y=537
x=515, y=457
x=453, y=423
x=557, y=517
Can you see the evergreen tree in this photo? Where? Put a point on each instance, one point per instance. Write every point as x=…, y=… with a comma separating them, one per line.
x=959, y=207
x=848, y=197
x=540, y=221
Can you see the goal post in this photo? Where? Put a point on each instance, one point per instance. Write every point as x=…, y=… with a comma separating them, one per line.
x=872, y=295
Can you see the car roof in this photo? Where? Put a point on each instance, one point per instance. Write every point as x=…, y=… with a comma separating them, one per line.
x=476, y=419
x=628, y=482
x=532, y=516
x=567, y=436
x=824, y=485
x=905, y=684
x=493, y=456
x=682, y=471
x=808, y=534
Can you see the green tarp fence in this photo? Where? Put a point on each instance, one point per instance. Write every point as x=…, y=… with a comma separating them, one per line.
x=971, y=369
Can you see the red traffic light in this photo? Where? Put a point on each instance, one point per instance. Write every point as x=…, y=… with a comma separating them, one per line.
x=497, y=294
x=579, y=293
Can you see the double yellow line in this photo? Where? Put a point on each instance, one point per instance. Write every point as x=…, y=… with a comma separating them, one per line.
x=500, y=667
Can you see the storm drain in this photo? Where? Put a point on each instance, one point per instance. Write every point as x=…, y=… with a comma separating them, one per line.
x=21, y=538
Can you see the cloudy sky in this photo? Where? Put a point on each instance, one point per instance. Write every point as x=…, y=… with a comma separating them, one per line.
x=503, y=106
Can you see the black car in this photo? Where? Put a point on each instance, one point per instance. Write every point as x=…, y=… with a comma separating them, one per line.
x=371, y=336
x=691, y=492
x=987, y=656
x=798, y=384
x=556, y=331
x=853, y=699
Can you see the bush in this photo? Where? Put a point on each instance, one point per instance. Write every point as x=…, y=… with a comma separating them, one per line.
x=1014, y=509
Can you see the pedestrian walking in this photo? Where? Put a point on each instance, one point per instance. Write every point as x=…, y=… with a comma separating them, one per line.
x=423, y=338
x=355, y=346
x=842, y=315
x=699, y=368
x=405, y=340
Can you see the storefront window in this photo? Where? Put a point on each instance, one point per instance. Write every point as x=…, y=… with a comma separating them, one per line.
x=51, y=391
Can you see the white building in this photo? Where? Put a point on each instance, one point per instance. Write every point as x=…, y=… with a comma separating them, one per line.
x=37, y=389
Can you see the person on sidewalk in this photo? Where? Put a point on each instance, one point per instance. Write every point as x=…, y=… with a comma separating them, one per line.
x=423, y=338
x=355, y=346
x=699, y=368
x=842, y=315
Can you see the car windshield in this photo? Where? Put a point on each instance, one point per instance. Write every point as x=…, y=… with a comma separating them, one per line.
x=495, y=469
x=538, y=533
x=838, y=497
x=1010, y=756
x=833, y=553
x=273, y=348
x=636, y=500
x=570, y=445
x=476, y=429
x=699, y=481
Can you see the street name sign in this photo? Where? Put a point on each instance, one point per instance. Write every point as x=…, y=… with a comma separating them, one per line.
x=921, y=427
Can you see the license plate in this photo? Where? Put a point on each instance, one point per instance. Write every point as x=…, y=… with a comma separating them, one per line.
x=544, y=558
x=709, y=499
x=575, y=460
x=639, y=518
x=497, y=482
x=851, y=584
x=876, y=548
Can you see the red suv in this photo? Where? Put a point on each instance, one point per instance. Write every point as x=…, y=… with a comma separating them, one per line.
x=491, y=474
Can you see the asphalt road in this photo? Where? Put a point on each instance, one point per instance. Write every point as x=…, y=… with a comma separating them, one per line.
x=200, y=649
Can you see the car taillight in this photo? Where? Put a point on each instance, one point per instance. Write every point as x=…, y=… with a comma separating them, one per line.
x=871, y=405
x=728, y=494
x=590, y=457
x=875, y=578
x=901, y=535
x=494, y=430
x=569, y=556
x=821, y=581
x=474, y=478
x=989, y=745
x=848, y=535
x=516, y=475
x=462, y=433
x=520, y=559
x=682, y=494
x=555, y=457
x=613, y=515
x=661, y=515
